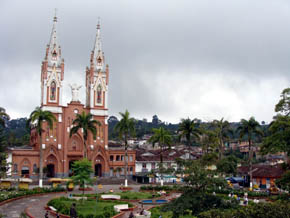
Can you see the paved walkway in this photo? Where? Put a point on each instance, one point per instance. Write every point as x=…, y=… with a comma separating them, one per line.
x=36, y=204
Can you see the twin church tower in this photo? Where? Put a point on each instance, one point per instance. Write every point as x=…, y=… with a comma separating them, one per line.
x=59, y=149
x=52, y=76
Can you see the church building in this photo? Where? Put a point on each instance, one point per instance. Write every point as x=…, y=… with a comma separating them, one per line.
x=59, y=149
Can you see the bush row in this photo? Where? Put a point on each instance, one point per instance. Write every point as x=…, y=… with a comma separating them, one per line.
x=159, y=188
x=13, y=193
x=261, y=210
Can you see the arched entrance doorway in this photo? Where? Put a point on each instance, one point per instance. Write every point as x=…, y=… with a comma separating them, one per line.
x=25, y=171
x=50, y=170
x=98, y=170
x=51, y=166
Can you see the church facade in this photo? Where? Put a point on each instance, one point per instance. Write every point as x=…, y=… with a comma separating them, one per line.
x=59, y=149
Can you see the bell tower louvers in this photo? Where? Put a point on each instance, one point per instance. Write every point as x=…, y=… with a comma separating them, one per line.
x=52, y=74
x=97, y=78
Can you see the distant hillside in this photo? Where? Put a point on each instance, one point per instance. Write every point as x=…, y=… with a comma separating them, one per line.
x=16, y=134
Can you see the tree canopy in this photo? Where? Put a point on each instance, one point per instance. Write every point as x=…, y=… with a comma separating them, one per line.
x=87, y=124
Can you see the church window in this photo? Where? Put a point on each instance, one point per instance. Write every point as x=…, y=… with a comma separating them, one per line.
x=74, y=146
x=99, y=61
x=54, y=54
x=111, y=158
x=118, y=158
x=35, y=169
x=130, y=158
x=99, y=94
x=15, y=168
x=53, y=91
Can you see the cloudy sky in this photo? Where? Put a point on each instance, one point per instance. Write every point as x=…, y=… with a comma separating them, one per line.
x=206, y=59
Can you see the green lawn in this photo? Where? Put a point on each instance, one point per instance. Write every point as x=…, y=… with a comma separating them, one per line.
x=87, y=208
x=129, y=195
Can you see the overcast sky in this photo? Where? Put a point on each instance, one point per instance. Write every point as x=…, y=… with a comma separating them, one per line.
x=200, y=59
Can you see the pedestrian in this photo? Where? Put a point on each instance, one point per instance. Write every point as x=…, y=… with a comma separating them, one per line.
x=73, y=212
x=46, y=214
x=131, y=215
x=57, y=215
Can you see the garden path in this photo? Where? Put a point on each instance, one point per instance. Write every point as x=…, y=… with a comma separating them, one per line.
x=36, y=204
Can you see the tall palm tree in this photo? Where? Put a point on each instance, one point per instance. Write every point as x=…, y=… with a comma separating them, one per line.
x=164, y=140
x=223, y=131
x=125, y=128
x=86, y=123
x=36, y=120
x=250, y=129
x=3, y=116
x=189, y=129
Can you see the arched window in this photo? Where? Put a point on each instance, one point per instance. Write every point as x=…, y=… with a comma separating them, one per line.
x=35, y=169
x=53, y=91
x=99, y=94
x=15, y=168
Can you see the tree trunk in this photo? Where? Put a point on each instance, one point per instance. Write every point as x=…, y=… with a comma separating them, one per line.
x=161, y=167
x=221, y=149
x=126, y=162
x=85, y=149
x=250, y=162
x=40, y=161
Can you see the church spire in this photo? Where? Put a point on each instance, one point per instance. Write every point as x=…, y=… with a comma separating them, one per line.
x=53, y=53
x=98, y=55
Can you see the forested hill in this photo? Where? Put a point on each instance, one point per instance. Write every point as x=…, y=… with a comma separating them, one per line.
x=16, y=134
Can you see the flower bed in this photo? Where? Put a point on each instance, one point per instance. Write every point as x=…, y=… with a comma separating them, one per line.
x=169, y=188
x=12, y=193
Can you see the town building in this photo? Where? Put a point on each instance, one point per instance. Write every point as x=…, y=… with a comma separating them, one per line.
x=59, y=149
x=264, y=176
x=148, y=162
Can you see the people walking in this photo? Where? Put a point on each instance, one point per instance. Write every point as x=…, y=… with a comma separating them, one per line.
x=73, y=212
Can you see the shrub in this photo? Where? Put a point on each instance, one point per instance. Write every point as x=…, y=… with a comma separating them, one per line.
x=261, y=210
x=192, y=202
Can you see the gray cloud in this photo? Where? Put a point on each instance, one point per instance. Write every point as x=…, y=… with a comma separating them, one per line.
x=206, y=59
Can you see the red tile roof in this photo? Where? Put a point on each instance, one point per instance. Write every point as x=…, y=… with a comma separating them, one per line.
x=263, y=171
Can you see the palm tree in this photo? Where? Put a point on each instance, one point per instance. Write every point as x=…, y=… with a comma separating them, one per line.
x=223, y=130
x=87, y=124
x=164, y=139
x=125, y=128
x=3, y=116
x=36, y=120
x=188, y=128
x=250, y=129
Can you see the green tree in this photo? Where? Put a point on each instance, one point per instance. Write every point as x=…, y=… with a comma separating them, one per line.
x=82, y=170
x=3, y=155
x=228, y=165
x=284, y=181
x=164, y=139
x=3, y=117
x=283, y=105
x=250, y=129
x=189, y=129
x=36, y=120
x=208, y=140
x=223, y=131
x=4, y=166
x=195, y=197
x=86, y=123
x=278, y=139
x=125, y=129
